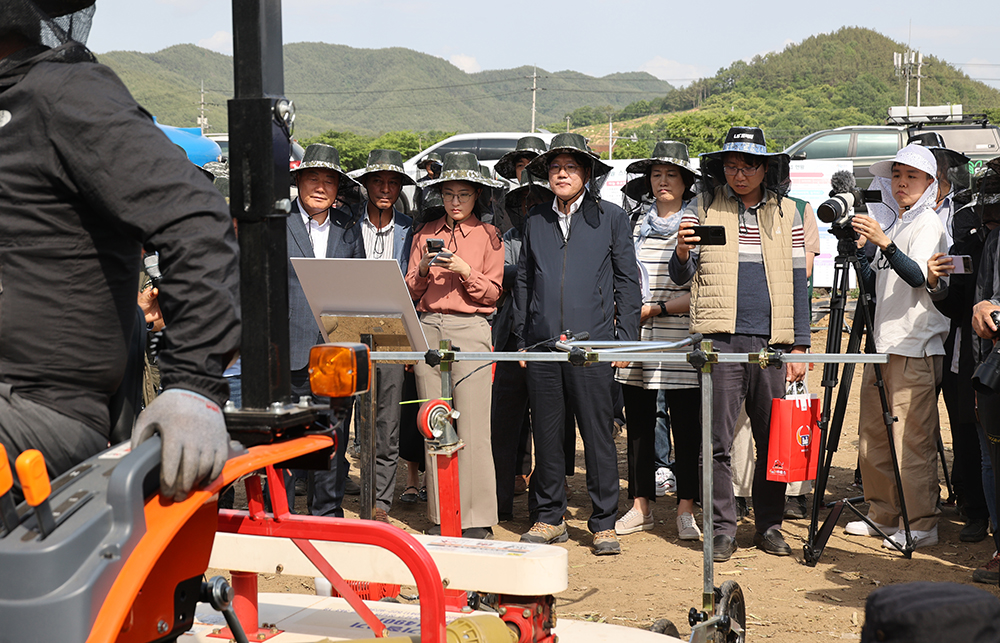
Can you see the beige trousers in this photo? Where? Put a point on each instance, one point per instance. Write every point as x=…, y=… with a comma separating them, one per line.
x=473, y=400
x=910, y=387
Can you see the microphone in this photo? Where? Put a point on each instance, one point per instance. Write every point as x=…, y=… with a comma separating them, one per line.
x=842, y=181
x=151, y=262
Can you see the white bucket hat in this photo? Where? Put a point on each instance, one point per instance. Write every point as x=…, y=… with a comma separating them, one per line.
x=914, y=155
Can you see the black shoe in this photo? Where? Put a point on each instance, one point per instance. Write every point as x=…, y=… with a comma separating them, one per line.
x=351, y=488
x=974, y=530
x=723, y=548
x=795, y=507
x=742, y=508
x=482, y=533
x=772, y=542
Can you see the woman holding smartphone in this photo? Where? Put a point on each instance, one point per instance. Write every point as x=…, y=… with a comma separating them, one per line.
x=455, y=275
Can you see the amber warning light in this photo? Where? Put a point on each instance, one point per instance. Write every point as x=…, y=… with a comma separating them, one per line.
x=339, y=370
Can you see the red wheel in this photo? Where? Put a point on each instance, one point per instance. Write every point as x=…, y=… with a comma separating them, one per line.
x=431, y=418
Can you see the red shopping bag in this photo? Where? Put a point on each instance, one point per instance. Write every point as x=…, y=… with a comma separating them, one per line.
x=793, y=448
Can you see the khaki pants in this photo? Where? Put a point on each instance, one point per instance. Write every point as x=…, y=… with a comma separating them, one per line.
x=910, y=388
x=744, y=459
x=472, y=399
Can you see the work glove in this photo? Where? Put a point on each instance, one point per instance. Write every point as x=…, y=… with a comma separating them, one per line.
x=195, y=441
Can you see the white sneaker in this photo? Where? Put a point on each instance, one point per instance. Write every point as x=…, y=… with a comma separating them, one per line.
x=920, y=538
x=687, y=528
x=633, y=521
x=861, y=528
x=666, y=482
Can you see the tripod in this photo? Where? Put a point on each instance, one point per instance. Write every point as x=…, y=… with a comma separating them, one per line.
x=830, y=431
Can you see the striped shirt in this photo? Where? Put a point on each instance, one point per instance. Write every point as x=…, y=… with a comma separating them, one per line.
x=753, y=300
x=654, y=253
x=378, y=241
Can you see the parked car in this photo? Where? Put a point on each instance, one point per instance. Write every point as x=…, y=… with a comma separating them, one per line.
x=971, y=134
x=487, y=146
x=199, y=149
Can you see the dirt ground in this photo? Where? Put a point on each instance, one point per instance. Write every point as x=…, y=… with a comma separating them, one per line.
x=658, y=576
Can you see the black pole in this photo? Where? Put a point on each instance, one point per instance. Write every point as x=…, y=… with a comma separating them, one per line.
x=259, y=187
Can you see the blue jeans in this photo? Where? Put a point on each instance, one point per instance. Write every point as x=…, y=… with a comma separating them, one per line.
x=661, y=443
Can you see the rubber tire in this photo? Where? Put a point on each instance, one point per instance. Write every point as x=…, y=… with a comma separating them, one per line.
x=665, y=626
x=426, y=412
x=730, y=602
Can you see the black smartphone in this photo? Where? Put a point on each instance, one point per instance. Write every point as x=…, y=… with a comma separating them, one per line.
x=710, y=235
x=435, y=245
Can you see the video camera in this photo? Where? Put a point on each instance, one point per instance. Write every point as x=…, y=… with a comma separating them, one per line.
x=838, y=210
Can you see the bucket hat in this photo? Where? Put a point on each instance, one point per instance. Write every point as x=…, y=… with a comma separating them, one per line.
x=567, y=143
x=664, y=153
x=433, y=157
x=462, y=166
x=56, y=8
x=384, y=161
x=747, y=140
x=528, y=147
x=321, y=156
x=935, y=143
x=914, y=155
x=528, y=185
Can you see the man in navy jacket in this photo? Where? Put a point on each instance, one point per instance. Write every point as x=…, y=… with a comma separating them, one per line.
x=577, y=272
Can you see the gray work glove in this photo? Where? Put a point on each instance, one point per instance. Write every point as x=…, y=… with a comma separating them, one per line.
x=195, y=442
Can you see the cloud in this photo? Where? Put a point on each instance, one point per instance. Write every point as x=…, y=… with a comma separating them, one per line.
x=467, y=64
x=221, y=41
x=675, y=73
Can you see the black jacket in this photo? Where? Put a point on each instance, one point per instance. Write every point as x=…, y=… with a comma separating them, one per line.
x=589, y=282
x=86, y=181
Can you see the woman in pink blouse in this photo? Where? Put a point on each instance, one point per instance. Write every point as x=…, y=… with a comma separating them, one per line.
x=455, y=288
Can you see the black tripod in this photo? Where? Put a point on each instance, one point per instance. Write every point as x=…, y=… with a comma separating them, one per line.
x=830, y=432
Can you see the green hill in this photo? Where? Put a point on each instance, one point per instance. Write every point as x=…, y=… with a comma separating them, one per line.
x=370, y=91
x=829, y=80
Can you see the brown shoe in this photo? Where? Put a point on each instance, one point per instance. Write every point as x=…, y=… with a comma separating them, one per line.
x=381, y=515
x=520, y=485
x=988, y=573
x=606, y=543
x=545, y=534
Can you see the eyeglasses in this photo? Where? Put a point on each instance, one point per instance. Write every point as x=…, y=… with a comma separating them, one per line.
x=747, y=172
x=570, y=168
x=463, y=197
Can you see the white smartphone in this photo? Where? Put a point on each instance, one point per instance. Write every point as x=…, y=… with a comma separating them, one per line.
x=960, y=264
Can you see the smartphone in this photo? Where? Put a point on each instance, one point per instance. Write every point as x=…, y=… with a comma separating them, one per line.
x=435, y=245
x=442, y=254
x=961, y=264
x=710, y=235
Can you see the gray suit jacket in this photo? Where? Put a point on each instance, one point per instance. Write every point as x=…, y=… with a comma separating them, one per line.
x=344, y=242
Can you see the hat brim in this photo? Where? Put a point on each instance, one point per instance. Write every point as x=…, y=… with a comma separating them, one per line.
x=540, y=165
x=372, y=169
x=641, y=166
x=323, y=165
x=470, y=176
x=505, y=165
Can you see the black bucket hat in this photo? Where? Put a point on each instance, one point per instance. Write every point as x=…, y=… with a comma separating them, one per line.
x=321, y=156
x=56, y=8
x=528, y=147
x=462, y=166
x=568, y=143
x=384, y=161
x=749, y=140
x=935, y=143
x=664, y=153
x=529, y=185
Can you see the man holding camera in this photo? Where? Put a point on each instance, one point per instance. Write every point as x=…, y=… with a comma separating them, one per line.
x=907, y=232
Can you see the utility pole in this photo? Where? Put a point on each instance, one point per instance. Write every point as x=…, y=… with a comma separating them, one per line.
x=202, y=119
x=567, y=122
x=611, y=134
x=534, y=90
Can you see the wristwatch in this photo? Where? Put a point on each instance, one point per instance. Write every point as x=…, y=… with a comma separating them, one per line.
x=890, y=250
x=663, y=309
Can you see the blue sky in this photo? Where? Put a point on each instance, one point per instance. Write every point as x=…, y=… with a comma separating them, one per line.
x=675, y=41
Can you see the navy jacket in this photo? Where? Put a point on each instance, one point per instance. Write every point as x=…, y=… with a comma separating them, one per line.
x=589, y=282
x=344, y=242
